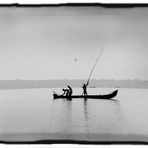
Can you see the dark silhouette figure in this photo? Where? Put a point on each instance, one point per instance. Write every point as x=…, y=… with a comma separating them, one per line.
x=84, y=89
x=70, y=91
x=65, y=92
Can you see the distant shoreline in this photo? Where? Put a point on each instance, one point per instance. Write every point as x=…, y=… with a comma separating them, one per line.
x=22, y=84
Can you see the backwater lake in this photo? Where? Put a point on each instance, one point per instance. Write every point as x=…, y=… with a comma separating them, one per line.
x=33, y=114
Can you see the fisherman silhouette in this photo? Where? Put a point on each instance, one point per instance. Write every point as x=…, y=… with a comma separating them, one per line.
x=70, y=91
x=84, y=89
x=65, y=92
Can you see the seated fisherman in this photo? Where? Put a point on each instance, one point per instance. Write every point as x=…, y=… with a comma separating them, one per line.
x=70, y=91
x=65, y=92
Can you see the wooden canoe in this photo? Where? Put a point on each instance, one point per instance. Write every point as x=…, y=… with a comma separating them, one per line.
x=107, y=96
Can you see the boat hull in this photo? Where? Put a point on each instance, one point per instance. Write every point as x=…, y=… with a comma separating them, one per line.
x=107, y=96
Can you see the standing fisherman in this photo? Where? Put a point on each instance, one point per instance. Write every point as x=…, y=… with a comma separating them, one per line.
x=84, y=89
x=85, y=85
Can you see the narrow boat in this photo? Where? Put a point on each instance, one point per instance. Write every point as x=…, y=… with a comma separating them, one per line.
x=107, y=96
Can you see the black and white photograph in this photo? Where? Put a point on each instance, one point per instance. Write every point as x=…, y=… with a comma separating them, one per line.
x=74, y=73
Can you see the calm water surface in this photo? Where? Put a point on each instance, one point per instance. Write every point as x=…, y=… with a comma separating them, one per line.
x=33, y=114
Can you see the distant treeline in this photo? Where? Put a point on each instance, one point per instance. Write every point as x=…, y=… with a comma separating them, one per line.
x=20, y=84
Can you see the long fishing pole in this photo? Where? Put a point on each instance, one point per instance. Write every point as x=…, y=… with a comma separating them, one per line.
x=94, y=65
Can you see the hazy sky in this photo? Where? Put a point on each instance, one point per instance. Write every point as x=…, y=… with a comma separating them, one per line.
x=61, y=42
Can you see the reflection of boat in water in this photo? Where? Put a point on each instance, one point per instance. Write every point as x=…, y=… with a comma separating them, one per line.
x=107, y=96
